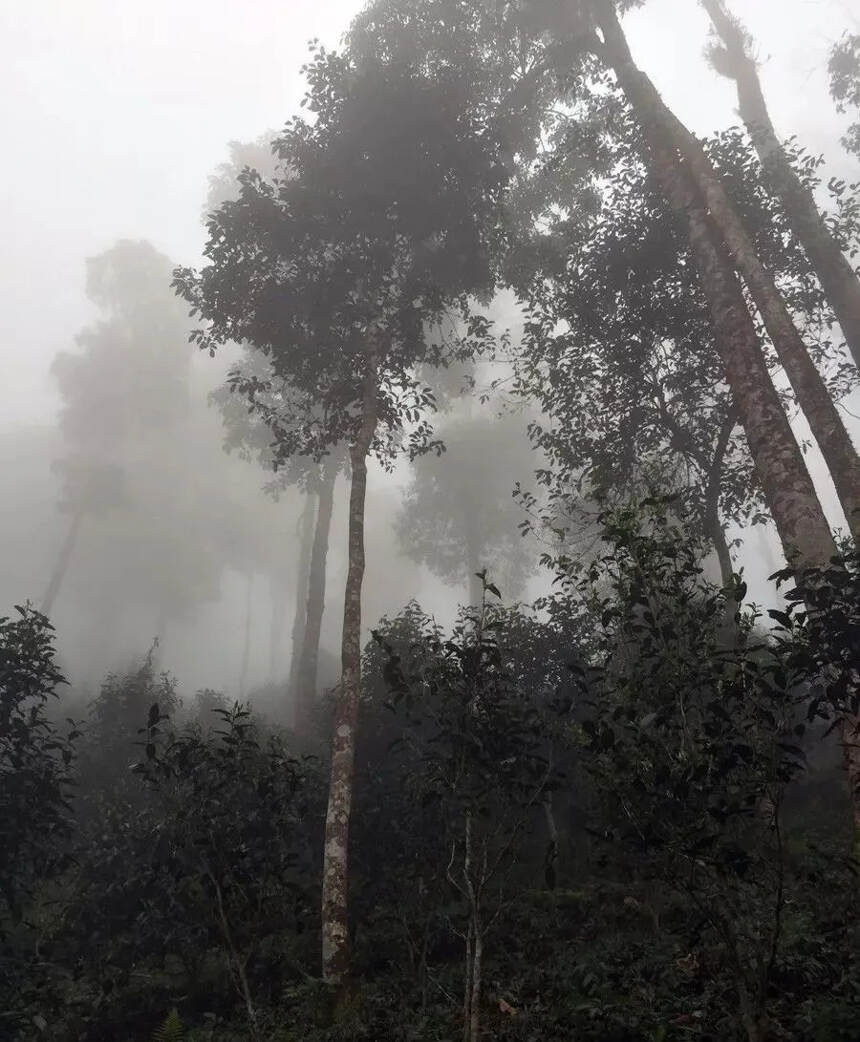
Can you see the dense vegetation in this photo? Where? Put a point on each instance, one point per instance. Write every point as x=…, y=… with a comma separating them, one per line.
x=627, y=811
x=620, y=820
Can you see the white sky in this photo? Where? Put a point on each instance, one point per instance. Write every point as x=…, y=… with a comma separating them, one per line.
x=114, y=113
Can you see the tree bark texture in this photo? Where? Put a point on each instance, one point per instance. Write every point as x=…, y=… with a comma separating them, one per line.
x=306, y=681
x=789, y=492
x=835, y=273
x=659, y=122
x=788, y=488
x=335, y=933
x=306, y=535
x=62, y=565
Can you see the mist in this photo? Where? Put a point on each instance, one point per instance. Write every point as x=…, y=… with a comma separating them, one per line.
x=361, y=373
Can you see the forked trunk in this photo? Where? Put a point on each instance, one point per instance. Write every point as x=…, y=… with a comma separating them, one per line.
x=657, y=120
x=335, y=933
x=62, y=565
x=306, y=681
x=835, y=273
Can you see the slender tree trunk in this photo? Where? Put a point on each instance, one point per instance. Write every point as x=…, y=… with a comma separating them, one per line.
x=246, y=641
x=835, y=273
x=477, y=972
x=713, y=525
x=306, y=681
x=306, y=535
x=552, y=848
x=810, y=390
x=62, y=565
x=335, y=933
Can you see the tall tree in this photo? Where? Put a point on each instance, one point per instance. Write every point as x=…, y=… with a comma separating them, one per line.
x=304, y=679
x=578, y=39
x=88, y=488
x=733, y=56
x=251, y=435
x=458, y=515
x=334, y=272
x=678, y=147
x=124, y=388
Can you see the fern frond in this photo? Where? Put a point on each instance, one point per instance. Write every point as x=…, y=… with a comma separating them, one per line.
x=170, y=1030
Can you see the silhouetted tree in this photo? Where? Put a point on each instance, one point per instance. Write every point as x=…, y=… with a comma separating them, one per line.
x=732, y=55
x=333, y=272
x=458, y=515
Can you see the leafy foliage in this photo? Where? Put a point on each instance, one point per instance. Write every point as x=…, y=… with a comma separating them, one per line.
x=36, y=762
x=386, y=205
x=170, y=1030
x=844, y=69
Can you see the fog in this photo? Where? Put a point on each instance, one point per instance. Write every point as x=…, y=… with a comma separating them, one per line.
x=115, y=117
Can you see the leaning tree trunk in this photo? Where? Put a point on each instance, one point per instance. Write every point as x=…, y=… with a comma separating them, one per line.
x=809, y=388
x=62, y=565
x=788, y=488
x=246, y=640
x=306, y=535
x=835, y=273
x=335, y=932
x=789, y=492
x=306, y=680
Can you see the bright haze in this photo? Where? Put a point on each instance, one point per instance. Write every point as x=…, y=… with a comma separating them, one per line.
x=114, y=116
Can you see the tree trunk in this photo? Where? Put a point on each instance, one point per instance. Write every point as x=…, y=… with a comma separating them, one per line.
x=849, y=734
x=552, y=848
x=713, y=525
x=788, y=488
x=789, y=491
x=246, y=643
x=657, y=120
x=306, y=535
x=306, y=680
x=335, y=934
x=62, y=565
x=838, y=279
x=279, y=597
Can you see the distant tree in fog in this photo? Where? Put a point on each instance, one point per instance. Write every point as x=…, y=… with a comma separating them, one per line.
x=334, y=272
x=250, y=435
x=129, y=443
x=126, y=382
x=458, y=515
x=88, y=488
